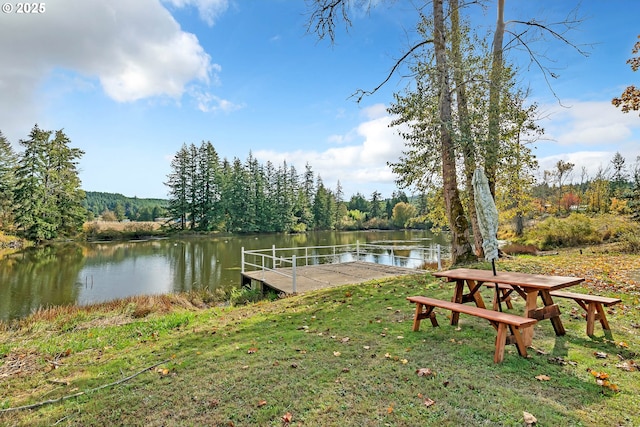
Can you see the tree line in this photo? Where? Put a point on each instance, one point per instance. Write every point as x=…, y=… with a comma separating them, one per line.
x=117, y=207
x=207, y=193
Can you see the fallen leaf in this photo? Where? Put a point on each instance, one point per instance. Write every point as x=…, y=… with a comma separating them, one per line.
x=286, y=418
x=366, y=347
x=345, y=339
x=404, y=361
x=543, y=377
x=336, y=353
x=429, y=402
x=600, y=354
x=252, y=350
x=424, y=372
x=529, y=419
x=262, y=403
x=389, y=409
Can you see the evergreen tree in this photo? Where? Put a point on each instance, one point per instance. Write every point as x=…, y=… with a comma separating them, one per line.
x=8, y=164
x=179, y=188
x=65, y=185
x=48, y=194
x=323, y=207
x=376, y=208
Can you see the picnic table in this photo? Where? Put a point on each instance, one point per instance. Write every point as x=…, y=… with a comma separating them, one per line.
x=529, y=286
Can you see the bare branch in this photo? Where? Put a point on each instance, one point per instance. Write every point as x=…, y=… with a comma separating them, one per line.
x=361, y=93
x=80, y=393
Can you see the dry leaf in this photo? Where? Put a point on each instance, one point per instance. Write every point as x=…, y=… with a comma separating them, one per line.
x=345, y=339
x=286, y=418
x=389, y=409
x=429, y=402
x=262, y=403
x=543, y=377
x=424, y=372
x=529, y=419
x=336, y=353
x=600, y=354
x=404, y=361
x=252, y=350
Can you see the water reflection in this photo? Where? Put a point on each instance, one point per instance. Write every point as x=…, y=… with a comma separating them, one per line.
x=84, y=273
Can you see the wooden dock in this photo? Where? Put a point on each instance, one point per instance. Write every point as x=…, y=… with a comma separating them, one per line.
x=313, y=277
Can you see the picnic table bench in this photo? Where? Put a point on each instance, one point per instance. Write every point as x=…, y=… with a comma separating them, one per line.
x=500, y=321
x=592, y=304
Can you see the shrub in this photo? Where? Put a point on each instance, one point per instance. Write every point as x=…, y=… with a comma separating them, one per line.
x=575, y=230
x=242, y=296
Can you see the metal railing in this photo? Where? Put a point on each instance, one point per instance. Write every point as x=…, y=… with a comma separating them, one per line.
x=284, y=261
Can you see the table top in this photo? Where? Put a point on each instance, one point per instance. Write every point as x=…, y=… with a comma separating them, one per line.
x=525, y=280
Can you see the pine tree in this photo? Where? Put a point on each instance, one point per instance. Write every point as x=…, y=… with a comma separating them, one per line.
x=48, y=195
x=8, y=164
x=178, y=188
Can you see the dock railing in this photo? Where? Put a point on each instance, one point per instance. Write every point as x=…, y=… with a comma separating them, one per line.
x=284, y=261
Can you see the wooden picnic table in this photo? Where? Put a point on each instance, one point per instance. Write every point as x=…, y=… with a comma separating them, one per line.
x=529, y=286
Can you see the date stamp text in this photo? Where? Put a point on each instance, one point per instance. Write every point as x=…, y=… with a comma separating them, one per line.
x=24, y=8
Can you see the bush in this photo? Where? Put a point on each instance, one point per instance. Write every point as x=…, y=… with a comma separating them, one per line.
x=575, y=230
x=242, y=296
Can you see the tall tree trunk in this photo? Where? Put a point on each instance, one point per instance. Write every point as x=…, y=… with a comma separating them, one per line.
x=466, y=138
x=460, y=248
x=493, y=137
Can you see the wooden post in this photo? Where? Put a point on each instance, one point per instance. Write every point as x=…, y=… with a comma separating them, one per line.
x=242, y=260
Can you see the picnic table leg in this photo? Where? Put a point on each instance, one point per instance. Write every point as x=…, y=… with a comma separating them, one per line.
x=501, y=341
x=531, y=305
x=477, y=298
x=457, y=297
x=555, y=320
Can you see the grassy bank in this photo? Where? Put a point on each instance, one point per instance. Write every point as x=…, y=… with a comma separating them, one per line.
x=339, y=357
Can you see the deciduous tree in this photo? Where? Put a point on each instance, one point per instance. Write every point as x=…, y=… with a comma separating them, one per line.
x=630, y=98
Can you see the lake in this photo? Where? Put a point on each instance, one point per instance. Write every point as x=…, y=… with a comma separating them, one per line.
x=86, y=273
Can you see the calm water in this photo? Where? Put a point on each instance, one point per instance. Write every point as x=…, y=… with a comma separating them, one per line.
x=84, y=273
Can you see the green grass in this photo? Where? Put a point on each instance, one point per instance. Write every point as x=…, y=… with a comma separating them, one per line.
x=339, y=357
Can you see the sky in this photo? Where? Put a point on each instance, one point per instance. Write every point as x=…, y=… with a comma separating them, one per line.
x=131, y=81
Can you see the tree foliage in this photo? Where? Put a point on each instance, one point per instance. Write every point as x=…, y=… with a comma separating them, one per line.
x=47, y=196
x=630, y=98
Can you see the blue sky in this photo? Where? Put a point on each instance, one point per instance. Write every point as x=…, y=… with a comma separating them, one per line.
x=131, y=81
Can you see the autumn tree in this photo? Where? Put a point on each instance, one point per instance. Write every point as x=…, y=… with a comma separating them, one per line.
x=402, y=213
x=630, y=98
x=417, y=169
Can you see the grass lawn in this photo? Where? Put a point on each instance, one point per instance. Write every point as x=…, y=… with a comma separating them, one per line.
x=338, y=357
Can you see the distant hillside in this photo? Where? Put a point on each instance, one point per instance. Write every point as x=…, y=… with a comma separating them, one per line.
x=133, y=208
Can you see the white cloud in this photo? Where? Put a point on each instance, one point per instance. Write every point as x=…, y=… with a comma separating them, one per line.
x=135, y=49
x=588, y=124
x=207, y=102
x=360, y=167
x=588, y=134
x=209, y=10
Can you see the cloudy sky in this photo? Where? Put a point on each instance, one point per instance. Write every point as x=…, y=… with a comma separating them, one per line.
x=131, y=81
